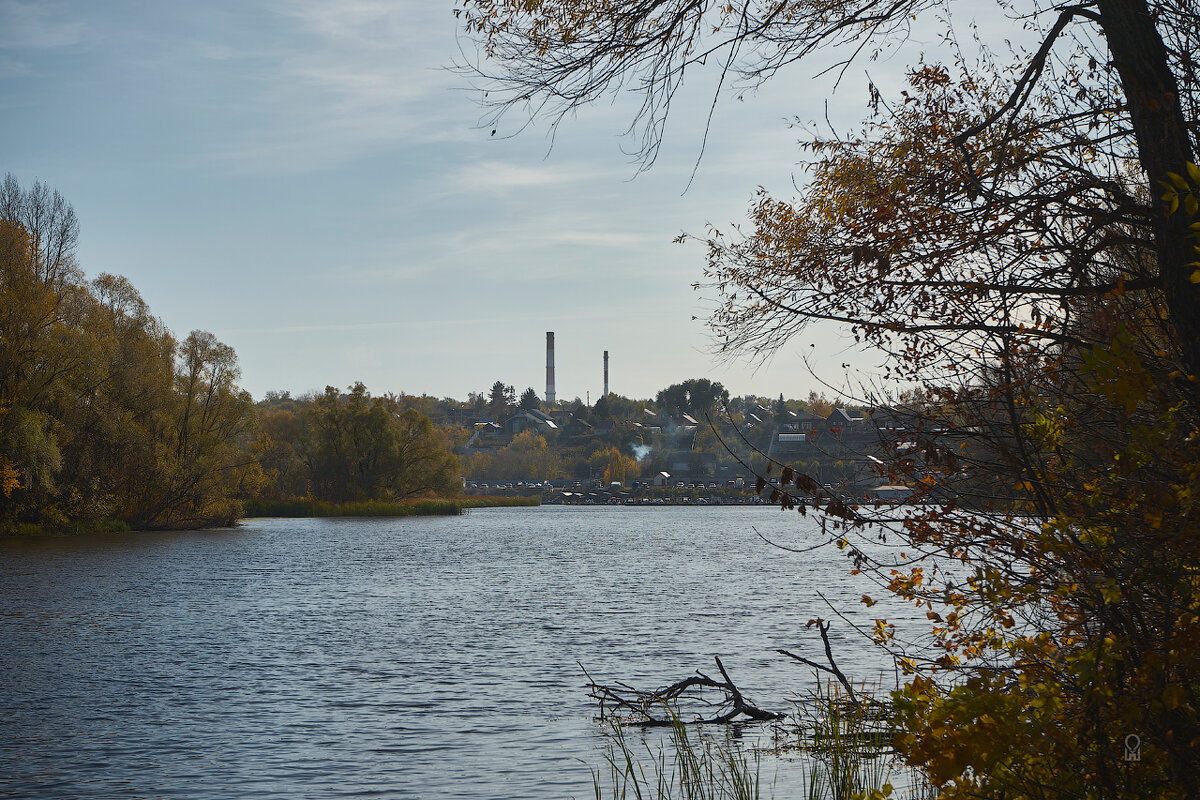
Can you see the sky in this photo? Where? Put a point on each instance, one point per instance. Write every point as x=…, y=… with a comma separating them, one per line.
x=308, y=181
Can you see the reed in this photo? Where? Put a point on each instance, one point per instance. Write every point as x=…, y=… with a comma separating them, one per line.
x=844, y=745
x=848, y=742
x=684, y=767
x=492, y=501
x=366, y=508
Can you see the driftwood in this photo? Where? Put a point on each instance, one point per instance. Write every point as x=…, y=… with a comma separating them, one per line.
x=661, y=706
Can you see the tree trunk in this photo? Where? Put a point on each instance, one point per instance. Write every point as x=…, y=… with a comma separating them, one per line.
x=1152, y=95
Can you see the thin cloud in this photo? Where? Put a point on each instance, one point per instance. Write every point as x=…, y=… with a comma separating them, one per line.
x=497, y=176
x=37, y=25
x=603, y=239
x=367, y=78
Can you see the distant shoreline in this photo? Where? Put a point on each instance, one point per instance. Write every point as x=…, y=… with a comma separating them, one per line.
x=430, y=507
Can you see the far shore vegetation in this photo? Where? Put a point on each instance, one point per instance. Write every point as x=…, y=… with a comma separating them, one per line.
x=111, y=421
x=429, y=507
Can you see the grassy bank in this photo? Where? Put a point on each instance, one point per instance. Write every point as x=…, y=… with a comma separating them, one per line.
x=491, y=501
x=430, y=507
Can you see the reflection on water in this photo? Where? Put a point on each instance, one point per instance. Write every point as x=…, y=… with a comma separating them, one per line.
x=419, y=657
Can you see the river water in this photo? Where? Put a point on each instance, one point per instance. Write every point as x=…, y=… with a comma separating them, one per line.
x=400, y=658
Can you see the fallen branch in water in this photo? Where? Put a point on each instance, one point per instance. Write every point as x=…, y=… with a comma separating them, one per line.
x=832, y=669
x=659, y=707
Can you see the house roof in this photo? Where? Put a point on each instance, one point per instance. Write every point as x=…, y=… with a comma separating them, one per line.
x=534, y=416
x=842, y=415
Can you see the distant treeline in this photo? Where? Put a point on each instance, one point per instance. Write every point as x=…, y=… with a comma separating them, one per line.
x=108, y=420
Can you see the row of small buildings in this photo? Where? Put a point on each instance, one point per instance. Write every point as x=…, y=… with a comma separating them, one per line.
x=489, y=434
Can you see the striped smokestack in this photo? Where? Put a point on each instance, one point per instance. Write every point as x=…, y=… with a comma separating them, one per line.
x=606, y=373
x=550, y=367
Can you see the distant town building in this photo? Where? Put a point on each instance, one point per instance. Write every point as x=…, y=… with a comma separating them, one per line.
x=530, y=420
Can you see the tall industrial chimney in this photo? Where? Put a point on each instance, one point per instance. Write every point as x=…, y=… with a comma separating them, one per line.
x=606, y=373
x=550, y=368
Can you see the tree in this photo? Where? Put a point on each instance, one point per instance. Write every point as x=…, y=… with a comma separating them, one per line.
x=49, y=222
x=29, y=309
x=615, y=465
x=1014, y=235
x=818, y=404
x=576, y=408
x=105, y=416
x=278, y=451
x=530, y=401
x=501, y=400
x=212, y=416
x=696, y=396
x=601, y=409
x=527, y=457
x=360, y=447
x=622, y=408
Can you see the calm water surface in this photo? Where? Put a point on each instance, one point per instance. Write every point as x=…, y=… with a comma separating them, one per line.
x=411, y=658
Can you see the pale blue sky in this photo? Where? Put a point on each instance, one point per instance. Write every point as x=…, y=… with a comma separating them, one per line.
x=304, y=180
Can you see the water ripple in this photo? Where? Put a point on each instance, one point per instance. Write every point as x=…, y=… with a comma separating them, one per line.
x=384, y=658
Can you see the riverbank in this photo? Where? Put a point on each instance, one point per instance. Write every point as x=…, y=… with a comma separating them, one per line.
x=299, y=509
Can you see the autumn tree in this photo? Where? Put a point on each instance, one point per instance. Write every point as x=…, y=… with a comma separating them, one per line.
x=1013, y=232
x=38, y=236
x=105, y=416
x=278, y=450
x=615, y=465
x=527, y=457
x=360, y=447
